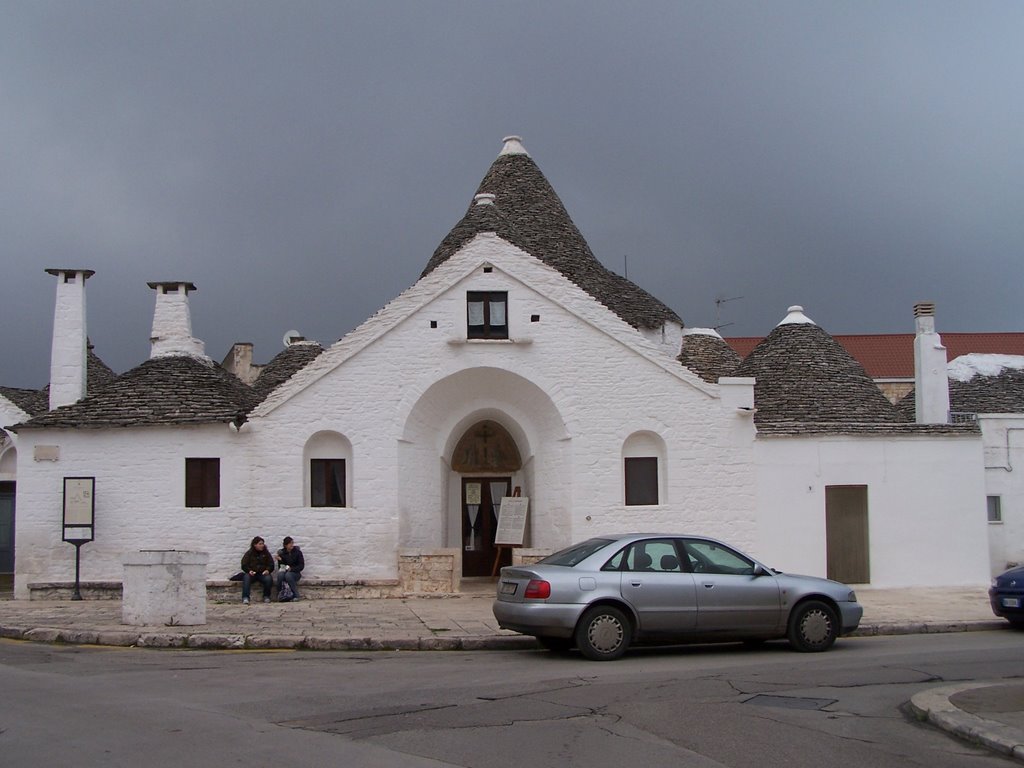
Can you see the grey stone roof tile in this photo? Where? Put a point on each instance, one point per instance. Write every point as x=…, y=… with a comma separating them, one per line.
x=162, y=390
x=804, y=376
x=1003, y=393
x=527, y=213
x=285, y=364
x=710, y=357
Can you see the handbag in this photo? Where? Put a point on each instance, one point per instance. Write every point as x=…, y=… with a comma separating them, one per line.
x=240, y=576
x=285, y=594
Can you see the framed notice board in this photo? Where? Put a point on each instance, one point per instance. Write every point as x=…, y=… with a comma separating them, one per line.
x=512, y=521
x=79, y=508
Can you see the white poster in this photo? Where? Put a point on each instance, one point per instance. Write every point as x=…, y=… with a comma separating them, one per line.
x=512, y=521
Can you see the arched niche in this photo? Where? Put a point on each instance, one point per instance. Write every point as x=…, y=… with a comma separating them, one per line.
x=486, y=447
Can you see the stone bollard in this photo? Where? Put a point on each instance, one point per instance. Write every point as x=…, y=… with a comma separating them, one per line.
x=164, y=587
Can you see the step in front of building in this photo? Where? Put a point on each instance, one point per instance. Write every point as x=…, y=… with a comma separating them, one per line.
x=224, y=590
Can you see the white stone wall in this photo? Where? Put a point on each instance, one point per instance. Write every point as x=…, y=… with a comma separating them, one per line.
x=570, y=388
x=1003, y=436
x=926, y=505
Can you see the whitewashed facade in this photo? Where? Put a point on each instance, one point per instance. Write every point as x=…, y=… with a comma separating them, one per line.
x=579, y=385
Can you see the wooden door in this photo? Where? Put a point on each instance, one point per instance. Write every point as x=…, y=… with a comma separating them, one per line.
x=6, y=535
x=481, y=500
x=846, y=533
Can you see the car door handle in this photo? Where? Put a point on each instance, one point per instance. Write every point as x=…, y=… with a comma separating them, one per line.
x=637, y=583
x=709, y=585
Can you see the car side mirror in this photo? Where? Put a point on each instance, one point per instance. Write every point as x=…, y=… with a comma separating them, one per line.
x=760, y=570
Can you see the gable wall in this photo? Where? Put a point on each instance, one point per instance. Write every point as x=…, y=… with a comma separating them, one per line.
x=592, y=391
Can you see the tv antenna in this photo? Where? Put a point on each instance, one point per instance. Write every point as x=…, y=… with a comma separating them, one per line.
x=718, y=310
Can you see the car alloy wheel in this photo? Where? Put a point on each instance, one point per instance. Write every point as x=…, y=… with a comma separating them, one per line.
x=603, y=633
x=813, y=627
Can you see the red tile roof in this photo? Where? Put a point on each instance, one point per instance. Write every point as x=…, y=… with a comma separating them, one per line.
x=891, y=355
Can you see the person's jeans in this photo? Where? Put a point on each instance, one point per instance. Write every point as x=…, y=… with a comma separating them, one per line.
x=247, y=581
x=291, y=577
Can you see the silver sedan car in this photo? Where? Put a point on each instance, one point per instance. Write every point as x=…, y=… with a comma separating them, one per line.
x=605, y=593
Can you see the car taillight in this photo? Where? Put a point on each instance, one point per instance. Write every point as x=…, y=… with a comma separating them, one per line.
x=537, y=590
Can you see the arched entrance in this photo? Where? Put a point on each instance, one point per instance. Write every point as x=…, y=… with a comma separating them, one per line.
x=486, y=457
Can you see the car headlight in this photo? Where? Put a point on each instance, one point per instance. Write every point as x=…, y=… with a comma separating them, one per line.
x=994, y=582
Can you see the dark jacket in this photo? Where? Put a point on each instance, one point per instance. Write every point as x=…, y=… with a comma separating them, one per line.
x=293, y=559
x=253, y=560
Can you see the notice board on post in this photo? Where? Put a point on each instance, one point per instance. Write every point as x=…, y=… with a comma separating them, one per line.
x=512, y=521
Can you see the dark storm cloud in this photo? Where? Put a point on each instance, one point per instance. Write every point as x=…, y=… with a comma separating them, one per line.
x=300, y=161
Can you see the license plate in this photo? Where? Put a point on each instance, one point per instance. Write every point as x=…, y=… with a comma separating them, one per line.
x=508, y=588
x=1011, y=602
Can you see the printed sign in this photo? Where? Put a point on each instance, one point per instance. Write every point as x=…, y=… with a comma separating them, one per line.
x=473, y=492
x=79, y=507
x=512, y=521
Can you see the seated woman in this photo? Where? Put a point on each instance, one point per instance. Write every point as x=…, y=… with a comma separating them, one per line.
x=257, y=564
x=290, y=563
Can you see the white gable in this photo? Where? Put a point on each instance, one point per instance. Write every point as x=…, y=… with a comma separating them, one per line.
x=534, y=276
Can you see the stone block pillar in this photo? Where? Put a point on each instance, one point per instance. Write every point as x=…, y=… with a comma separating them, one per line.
x=164, y=587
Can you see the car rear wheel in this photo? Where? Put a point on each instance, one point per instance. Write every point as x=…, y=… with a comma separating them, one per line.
x=813, y=627
x=603, y=633
x=555, y=644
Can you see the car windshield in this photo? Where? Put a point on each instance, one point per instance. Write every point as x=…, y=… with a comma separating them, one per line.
x=576, y=553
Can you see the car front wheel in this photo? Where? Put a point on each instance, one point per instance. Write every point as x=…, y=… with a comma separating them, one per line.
x=603, y=633
x=813, y=627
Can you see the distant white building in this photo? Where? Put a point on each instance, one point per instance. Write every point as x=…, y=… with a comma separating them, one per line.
x=516, y=362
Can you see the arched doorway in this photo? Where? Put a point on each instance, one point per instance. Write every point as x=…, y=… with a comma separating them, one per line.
x=486, y=457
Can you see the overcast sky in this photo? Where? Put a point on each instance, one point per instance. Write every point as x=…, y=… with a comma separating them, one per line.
x=300, y=161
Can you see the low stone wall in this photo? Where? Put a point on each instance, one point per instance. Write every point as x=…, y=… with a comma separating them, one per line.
x=63, y=590
x=436, y=571
x=226, y=590
x=522, y=556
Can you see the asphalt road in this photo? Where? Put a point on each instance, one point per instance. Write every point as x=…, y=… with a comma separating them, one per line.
x=691, y=706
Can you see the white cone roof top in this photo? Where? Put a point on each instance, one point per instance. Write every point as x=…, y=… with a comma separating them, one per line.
x=513, y=146
x=796, y=316
x=702, y=332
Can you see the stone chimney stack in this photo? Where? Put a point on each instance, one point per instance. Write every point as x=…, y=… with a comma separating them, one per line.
x=68, y=352
x=931, y=382
x=172, y=322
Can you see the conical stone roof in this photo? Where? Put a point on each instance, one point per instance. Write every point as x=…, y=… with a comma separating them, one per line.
x=527, y=213
x=804, y=376
x=708, y=355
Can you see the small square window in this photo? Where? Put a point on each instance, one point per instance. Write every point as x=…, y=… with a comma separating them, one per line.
x=641, y=476
x=327, y=482
x=995, y=509
x=202, y=482
x=487, y=315
x=433, y=323
x=534, y=318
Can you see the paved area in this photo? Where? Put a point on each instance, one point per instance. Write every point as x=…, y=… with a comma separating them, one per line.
x=989, y=713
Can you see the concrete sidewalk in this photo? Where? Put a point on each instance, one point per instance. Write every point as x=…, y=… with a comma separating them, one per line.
x=991, y=714
x=449, y=622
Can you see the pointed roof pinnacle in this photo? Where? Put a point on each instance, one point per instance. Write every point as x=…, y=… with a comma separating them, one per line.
x=513, y=146
x=796, y=316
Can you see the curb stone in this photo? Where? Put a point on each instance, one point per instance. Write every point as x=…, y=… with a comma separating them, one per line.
x=934, y=706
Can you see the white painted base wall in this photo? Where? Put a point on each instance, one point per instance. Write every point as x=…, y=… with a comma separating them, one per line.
x=925, y=505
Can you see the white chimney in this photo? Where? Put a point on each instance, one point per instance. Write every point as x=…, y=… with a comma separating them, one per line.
x=931, y=383
x=172, y=322
x=68, y=352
